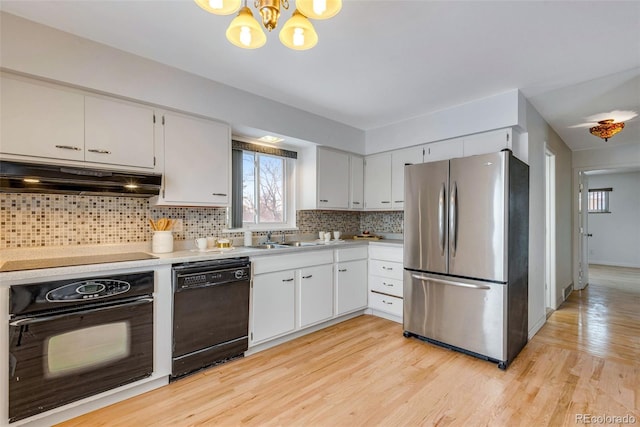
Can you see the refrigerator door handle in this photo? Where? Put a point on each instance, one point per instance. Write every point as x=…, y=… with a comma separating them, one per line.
x=449, y=282
x=453, y=218
x=441, y=220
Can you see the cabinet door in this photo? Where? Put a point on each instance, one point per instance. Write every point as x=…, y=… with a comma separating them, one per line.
x=356, y=194
x=333, y=175
x=487, y=142
x=351, y=286
x=377, y=181
x=197, y=161
x=118, y=133
x=399, y=159
x=273, y=305
x=41, y=121
x=316, y=294
x=443, y=150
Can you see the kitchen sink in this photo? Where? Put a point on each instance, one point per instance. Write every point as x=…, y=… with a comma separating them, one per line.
x=284, y=245
x=269, y=246
x=299, y=244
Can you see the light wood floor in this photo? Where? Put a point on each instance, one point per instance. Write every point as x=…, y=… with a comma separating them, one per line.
x=363, y=372
x=624, y=278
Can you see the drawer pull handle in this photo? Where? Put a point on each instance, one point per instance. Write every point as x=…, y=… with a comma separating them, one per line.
x=324, y=200
x=342, y=270
x=307, y=277
x=288, y=280
x=399, y=201
x=385, y=201
x=68, y=147
x=387, y=268
x=388, y=284
x=96, y=150
x=356, y=203
x=219, y=194
x=387, y=302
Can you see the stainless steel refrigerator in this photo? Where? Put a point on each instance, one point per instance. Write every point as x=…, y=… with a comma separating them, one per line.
x=466, y=238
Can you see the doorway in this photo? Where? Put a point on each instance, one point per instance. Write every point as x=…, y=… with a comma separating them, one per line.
x=550, y=231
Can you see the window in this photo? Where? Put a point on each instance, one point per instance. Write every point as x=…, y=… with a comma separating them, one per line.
x=599, y=200
x=262, y=187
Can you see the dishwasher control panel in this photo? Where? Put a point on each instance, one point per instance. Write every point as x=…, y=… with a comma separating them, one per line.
x=187, y=280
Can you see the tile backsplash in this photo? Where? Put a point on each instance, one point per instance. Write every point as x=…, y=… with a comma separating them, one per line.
x=36, y=220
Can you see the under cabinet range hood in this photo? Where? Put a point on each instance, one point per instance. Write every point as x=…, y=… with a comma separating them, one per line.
x=19, y=177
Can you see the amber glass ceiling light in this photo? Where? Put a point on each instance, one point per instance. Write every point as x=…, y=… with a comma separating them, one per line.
x=606, y=129
x=298, y=32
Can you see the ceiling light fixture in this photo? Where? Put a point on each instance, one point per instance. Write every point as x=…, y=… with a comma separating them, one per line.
x=606, y=129
x=297, y=33
x=270, y=139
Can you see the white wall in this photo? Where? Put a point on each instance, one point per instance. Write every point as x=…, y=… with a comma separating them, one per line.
x=540, y=135
x=616, y=235
x=494, y=112
x=40, y=51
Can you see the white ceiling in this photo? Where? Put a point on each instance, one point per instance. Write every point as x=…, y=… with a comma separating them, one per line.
x=379, y=62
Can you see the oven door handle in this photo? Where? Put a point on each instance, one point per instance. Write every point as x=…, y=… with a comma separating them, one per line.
x=40, y=319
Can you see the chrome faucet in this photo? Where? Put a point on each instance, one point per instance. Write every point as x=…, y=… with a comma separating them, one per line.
x=269, y=237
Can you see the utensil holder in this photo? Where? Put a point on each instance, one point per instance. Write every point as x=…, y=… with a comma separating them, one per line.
x=162, y=242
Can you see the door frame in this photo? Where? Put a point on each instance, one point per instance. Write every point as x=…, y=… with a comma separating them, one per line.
x=551, y=297
x=577, y=217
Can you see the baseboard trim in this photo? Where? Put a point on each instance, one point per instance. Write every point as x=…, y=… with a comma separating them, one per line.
x=614, y=264
x=537, y=326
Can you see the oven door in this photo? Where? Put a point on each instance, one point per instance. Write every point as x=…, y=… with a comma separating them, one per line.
x=59, y=358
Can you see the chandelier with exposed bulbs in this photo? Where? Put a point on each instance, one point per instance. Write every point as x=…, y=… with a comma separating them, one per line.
x=297, y=33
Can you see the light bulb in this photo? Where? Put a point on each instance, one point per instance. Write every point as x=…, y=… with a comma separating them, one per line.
x=245, y=35
x=319, y=6
x=215, y=4
x=298, y=37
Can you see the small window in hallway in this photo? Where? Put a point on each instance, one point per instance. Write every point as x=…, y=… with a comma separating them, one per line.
x=599, y=200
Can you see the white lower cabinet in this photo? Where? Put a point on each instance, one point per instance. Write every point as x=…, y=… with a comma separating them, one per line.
x=295, y=291
x=275, y=314
x=385, y=281
x=351, y=279
x=316, y=294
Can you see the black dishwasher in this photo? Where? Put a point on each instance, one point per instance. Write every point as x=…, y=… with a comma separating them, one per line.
x=210, y=313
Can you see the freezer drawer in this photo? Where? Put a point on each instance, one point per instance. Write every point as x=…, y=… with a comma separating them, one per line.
x=466, y=314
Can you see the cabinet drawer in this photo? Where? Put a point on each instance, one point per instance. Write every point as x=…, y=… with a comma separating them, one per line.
x=391, y=270
x=388, y=253
x=386, y=285
x=350, y=254
x=386, y=303
x=267, y=264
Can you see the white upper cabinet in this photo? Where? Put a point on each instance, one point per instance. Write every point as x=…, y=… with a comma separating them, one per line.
x=44, y=121
x=443, y=150
x=377, y=181
x=329, y=179
x=399, y=159
x=333, y=178
x=118, y=133
x=487, y=142
x=41, y=121
x=356, y=194
x=197, y=162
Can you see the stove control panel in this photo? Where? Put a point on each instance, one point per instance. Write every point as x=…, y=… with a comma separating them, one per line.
x=88, y=290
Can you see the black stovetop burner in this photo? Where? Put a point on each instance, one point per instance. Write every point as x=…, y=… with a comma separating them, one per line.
x=36, y=264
